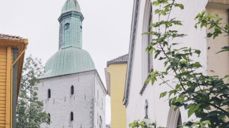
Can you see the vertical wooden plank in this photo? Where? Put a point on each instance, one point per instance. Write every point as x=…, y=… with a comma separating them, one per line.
x=8, y=88
x=3, y=87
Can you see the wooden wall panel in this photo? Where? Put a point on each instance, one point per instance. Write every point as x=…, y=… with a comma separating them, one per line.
x=3, y=61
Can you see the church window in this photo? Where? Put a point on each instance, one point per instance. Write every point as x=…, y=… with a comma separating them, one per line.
x=49, y=118
x=66, y=26
x=146, y=109
x=100, y=122
x=174, y=118
x=147, y=38
x=179, y=121
x=147, y=59
x=49, y=93
x=102, y=104
x=71, y=116
x=67, y=33
x=72, y=90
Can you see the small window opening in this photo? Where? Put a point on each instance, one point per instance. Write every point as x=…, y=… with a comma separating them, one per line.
x=49, y=93
x=66, y=26
x=72, y=116
x=72, y=90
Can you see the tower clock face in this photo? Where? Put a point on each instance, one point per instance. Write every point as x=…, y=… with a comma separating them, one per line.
x=66, y=26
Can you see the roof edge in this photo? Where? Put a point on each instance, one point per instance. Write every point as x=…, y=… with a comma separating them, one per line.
x=119, y=60
x=131, y=51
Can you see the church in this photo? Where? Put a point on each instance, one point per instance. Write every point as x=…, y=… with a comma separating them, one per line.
x=71, y=89
x=146, y=98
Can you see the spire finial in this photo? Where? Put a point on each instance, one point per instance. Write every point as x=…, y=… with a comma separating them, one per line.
x=71, y=5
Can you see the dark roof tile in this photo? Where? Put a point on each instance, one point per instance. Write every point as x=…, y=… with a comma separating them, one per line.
x=119, y=60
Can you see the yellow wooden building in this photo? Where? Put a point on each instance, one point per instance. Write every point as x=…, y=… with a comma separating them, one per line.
x=12, y=50
x=115, y=78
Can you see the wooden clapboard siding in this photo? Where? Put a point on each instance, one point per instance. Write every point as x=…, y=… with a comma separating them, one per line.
x=9, y=61
x=3, y=68
x=7, y=44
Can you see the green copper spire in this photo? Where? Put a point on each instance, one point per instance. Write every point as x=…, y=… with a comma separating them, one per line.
x=70, y=58
x=71, y=5
x=70, y=25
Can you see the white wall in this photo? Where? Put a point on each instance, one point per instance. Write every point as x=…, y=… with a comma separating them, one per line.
x=61, y=103
x=100, y=106
x=159, y=108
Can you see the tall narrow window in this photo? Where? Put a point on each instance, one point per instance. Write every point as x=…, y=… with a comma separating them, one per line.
x=146, y=58
x=146, y=39
x=72, y=90
x=71, y=116
x=67, y=33
x=100, y=122
x=49, y=93
x=49, y=118
x=146, y=109
x=179, y=121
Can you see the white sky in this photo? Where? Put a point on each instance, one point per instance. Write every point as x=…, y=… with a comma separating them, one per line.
x=106, y=27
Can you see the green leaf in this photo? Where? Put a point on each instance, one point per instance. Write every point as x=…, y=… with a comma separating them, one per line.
x=224, y=49
x=192, y=109
x=163, y=94
x=181, y=6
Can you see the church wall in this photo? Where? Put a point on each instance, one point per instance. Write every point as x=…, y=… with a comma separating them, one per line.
x=158, y=110
x=214, y=46
x=135, y=110
x=99, y=104
x=62, y=103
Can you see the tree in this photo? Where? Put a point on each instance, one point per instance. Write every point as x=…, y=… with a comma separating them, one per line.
x=205, y=96
x=30, y=112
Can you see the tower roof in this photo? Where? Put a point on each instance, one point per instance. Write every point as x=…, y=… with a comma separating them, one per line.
x=68, y=61
x=70, y=58
x=71, y=5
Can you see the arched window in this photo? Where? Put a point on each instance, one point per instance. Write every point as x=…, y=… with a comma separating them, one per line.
x=146, y=58
x=66, y=26
x=72, y=90
x=67, y=33
x=174, y=118
x=71, y=116
x=49, y=93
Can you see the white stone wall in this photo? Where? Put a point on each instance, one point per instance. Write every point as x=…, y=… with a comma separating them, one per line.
x=100, y=95
x=159, y=108
x=62, y=103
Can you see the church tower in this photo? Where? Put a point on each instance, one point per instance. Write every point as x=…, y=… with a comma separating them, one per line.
x=71, y=25
x=70, y=58
x=71, y=89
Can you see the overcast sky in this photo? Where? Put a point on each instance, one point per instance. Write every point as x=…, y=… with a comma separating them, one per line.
x=106, y=27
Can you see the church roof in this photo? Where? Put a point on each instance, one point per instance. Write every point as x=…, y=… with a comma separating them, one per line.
x=71, y=5
x=119, y=60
